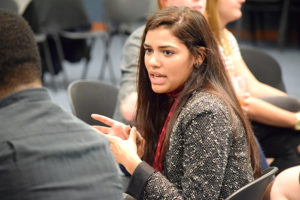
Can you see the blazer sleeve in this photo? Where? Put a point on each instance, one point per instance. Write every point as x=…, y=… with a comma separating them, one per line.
x=207, y=141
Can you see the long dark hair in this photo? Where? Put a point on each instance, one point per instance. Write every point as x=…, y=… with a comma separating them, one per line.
x=191, y=28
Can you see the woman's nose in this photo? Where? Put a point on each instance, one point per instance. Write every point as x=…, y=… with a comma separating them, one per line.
x=154, y=60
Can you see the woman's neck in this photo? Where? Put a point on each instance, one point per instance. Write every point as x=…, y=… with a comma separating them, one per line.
x=222, y=24
x=176, y=92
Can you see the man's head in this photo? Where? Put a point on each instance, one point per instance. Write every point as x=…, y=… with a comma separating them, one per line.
x=20, y=63
x=198, y=5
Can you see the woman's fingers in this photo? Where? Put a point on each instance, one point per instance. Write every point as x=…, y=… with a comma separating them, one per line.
x=132, y=135
x=127, y=129
x=116, y=128
x=246, y=102
x=103, y=129
x=106, y=120
x=139, y=142
x=110, y=138
x=119, y=131
x=139, y=136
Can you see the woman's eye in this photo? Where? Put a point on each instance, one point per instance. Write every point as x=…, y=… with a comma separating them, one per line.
x=147, y=51
x=168, y=53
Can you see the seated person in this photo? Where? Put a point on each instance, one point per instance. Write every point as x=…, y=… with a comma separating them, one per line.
x=286, y=186
x=276, y=127
x=127, y=97
x=191, y=140
x=126, y=103
x=46, y=153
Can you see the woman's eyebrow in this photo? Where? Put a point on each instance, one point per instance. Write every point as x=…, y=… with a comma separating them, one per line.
x=161, y=47
x=167, y=46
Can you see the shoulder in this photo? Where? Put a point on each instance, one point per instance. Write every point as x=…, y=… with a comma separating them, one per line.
x=230, y=36
x=135, y=36
x=130, y=55
x=233, y=43
x=204, y=102
x=139, y=31
x=206, y=108
x=131, y=48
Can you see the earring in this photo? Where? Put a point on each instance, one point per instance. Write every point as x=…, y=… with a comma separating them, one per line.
x=197, y=65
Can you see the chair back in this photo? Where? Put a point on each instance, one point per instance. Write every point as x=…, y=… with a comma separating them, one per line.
x=125, y=15
x=56, y=15
x=264, y=67
x=263, y=5
x=87, y=97
x=52, y=17
x=126, y=10
x=9, y=5
x=254, y=190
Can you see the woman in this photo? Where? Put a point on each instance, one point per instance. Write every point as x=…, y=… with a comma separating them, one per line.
x=127, y=97
x=195, y=142
x=277, y=129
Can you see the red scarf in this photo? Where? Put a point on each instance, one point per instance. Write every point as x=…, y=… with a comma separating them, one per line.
x=157, y=163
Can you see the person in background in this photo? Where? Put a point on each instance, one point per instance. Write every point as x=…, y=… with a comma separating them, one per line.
x=191, y=140
x=45, y=152
x=277, y=128
x=287, y=185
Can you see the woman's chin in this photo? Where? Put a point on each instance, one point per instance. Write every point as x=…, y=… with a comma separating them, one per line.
x=159, y=89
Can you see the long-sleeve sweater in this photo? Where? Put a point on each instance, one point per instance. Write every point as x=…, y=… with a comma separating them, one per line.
x=207, y=156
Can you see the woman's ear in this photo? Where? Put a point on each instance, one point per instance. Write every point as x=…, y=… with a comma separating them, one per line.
x=198, y=62
x=200, y=58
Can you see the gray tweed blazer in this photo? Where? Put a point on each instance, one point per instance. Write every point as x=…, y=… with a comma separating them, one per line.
x=206, y=159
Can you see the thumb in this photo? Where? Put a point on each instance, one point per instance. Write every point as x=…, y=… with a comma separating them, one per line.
x=127, y=129
x=132, y=134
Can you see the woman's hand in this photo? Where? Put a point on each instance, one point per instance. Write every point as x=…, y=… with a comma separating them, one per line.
x=120, y=130
x=125, y=151
x=115, y=128
x=128, y=107
x=245, y=102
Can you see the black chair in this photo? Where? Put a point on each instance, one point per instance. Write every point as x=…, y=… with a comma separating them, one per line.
x=9, y=5
x=255, y=10
x=289, y=7
x=254, y=190
x=264, y=67
x=65, y=22
x=87, y=97
x=124, y=16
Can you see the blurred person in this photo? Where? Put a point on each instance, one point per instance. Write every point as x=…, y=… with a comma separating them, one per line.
x=46, y=153
x=191, y=140
x=275, y=116
x=286, y=185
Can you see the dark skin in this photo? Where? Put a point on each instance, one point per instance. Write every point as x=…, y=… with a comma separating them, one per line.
x=7, y=91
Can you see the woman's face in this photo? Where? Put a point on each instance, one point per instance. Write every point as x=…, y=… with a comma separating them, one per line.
x=230, y=10
x=168, y=61
x=198, y=5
